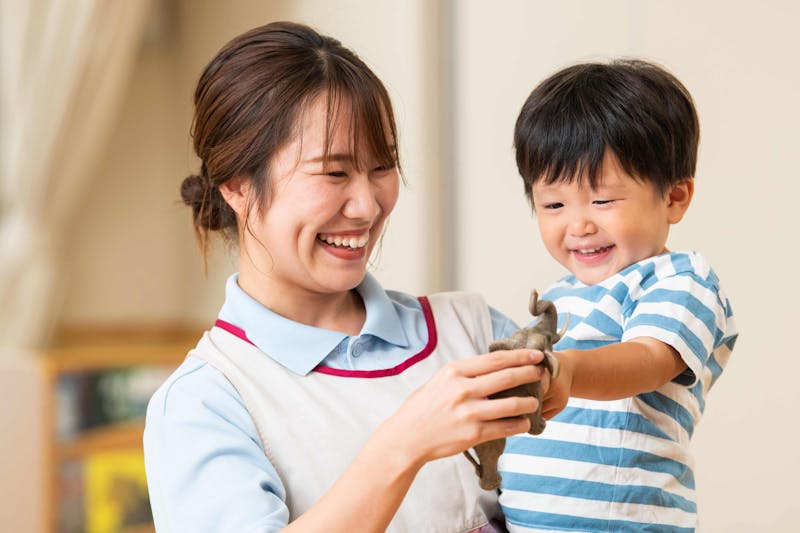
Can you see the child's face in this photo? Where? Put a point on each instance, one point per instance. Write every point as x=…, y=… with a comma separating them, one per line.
x=595, y=233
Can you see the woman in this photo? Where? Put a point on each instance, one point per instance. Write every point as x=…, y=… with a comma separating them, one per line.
x=319, y=401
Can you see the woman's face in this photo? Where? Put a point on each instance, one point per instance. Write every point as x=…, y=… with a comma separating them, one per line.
x=323, y=220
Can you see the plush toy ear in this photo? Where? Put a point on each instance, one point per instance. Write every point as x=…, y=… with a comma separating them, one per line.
x=678, y=200
x=532, y=302
x=560, y=334
x=552, y=363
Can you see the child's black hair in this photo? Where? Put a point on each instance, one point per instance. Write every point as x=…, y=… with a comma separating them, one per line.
x=634, y=108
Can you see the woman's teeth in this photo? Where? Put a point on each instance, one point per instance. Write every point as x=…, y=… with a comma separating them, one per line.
x=349, y=242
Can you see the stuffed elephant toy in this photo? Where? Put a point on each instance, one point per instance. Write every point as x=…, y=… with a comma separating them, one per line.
x=541, y=336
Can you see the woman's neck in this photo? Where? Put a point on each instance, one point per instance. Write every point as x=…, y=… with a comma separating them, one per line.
x=342, y=311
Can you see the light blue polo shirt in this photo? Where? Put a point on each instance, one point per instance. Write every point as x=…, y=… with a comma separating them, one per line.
x=206, y=468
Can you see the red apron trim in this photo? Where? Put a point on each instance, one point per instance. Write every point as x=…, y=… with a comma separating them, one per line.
x=395, y=370
x=230, y=328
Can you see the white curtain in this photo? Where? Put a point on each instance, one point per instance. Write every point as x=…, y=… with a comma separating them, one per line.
x=64, y=65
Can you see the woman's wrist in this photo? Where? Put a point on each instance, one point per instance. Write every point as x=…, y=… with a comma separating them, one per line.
x=396, y=451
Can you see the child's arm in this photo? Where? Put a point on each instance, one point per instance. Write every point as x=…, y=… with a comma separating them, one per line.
x=612, y=372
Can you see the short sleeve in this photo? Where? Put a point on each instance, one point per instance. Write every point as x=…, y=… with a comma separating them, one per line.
x=502, y=326
x=206, y=469
x=684, y=310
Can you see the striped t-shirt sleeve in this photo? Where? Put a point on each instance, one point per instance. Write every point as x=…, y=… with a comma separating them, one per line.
x=684, y=310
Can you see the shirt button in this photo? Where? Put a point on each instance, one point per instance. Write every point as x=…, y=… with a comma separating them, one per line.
x=357, y=349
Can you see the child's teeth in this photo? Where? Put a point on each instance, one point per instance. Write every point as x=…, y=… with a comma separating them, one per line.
x=590, y=250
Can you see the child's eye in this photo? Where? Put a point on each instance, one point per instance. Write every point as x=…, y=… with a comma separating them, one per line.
x=553, y=205
x=603, y=202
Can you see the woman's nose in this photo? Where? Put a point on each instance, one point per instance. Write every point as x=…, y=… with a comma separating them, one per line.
x=362, y=202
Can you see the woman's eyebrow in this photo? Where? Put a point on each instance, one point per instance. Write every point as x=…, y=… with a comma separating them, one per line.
x=330, y=157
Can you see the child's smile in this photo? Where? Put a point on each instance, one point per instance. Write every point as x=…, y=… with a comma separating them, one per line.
x=591, y=256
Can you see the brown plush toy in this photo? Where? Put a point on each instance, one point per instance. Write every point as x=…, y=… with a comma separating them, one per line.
x=541, y=336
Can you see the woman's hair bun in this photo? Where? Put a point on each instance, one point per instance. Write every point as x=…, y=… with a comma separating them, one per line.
x=209, y=208
x=193, y=190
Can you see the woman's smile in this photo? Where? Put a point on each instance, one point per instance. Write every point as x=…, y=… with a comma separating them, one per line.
x=344, y=246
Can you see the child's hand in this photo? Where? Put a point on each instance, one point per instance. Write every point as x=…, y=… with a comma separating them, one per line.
x=557, y=391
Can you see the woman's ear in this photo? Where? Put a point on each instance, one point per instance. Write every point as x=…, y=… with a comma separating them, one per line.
x=236, y=192
x=678, y=200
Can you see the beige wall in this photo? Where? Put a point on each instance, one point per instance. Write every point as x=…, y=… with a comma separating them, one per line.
x=133, y=256
x=133, y=259
x=739, y=61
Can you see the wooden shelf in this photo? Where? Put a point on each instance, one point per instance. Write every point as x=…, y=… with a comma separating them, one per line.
x=106, y=438
x=82, y=351
x=139, y=529
x=105, y=356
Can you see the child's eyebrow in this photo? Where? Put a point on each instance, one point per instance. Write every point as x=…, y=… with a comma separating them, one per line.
x=614, y=188
x=613, y=182
x=546, y=187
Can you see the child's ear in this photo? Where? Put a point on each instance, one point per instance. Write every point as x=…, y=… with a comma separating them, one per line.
x=678, y=199
x=236, y=192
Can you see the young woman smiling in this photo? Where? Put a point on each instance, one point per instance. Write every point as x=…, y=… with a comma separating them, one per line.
x=319, y=401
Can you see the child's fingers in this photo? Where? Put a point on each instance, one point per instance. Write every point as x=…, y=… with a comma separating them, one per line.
x=550, y=413
x=546, y=380
x=492, y=362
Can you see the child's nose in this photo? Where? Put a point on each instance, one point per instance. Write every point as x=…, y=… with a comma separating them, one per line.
x=582, y=226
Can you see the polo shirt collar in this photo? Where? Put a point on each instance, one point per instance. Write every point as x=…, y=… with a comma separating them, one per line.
x=299, y=347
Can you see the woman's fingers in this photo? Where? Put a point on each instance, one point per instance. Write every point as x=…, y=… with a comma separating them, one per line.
x=505, y=379
x=453, y=410
x=502, y=428
x=500, y=408
x=494, y=361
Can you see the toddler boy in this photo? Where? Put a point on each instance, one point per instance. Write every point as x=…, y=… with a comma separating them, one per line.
x=608, y=153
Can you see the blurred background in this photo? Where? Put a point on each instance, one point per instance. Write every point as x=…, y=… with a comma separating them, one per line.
x=103, y=290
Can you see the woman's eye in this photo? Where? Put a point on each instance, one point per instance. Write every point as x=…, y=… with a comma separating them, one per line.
x=382, y=169
x=337, y=173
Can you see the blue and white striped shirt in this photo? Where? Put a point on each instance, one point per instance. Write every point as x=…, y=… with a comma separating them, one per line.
x=625, y=465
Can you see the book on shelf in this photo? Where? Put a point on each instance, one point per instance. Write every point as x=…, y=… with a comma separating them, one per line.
x=115, y=491
x=87, y=400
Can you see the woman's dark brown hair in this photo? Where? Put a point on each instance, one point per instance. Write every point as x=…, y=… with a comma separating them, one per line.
x=247, y=105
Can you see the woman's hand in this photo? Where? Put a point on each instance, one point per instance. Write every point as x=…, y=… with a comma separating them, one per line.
x=452, y=412
x=447, y=415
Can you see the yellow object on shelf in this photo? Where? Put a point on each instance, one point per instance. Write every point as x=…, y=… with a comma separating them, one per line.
x=115, y=496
